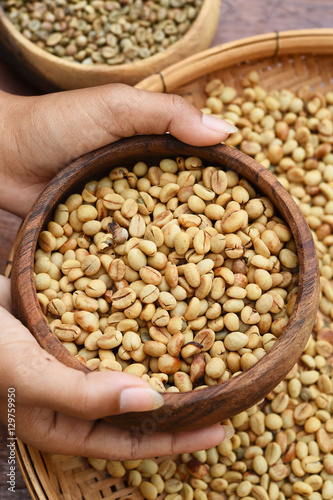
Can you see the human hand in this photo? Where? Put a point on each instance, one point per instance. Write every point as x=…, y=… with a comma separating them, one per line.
x=42, y=134
x=58, y=409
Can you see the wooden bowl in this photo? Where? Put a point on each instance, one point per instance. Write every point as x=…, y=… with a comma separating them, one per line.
x=50, y=73
x=193, y=409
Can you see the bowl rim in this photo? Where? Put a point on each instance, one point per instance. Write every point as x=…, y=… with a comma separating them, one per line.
x=275, y=364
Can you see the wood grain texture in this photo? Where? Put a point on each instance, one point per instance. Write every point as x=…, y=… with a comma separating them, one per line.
x=239, y=18
x=208, y=406
x=243, y=18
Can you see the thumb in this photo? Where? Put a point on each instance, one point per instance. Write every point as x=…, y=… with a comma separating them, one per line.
x=53, y=130
x=83, y=120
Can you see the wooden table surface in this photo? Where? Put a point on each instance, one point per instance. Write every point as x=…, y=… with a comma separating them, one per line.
x=239, y=18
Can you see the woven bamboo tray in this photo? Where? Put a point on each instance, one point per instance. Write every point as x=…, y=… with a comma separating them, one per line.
x=284, y=60
x=287, y=59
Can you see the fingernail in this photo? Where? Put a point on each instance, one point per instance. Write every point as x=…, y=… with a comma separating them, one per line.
x=139, y=399
x=229, y=432
x=214, y=123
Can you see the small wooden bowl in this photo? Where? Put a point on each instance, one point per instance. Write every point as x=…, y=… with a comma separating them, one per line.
x=193, y=409
x=50, y=73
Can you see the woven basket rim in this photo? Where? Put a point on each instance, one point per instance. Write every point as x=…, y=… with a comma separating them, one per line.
x=270, y=45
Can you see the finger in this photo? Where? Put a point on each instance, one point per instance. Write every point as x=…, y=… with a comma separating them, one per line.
x=110, y=112
x=41, y=380
x=67, y=435
x=57, y=128
x=5, y=299
x=82, y=120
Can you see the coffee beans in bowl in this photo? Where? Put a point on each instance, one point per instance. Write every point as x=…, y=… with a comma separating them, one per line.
x=189, y=267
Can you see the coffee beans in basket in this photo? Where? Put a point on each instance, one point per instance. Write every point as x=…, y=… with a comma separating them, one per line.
x=282, y=448
x=179, y=273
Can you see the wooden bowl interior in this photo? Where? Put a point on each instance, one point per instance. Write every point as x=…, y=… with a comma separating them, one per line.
x=196, y=408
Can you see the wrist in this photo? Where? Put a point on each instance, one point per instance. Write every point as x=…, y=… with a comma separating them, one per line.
x=7, y=151
x=16, y=191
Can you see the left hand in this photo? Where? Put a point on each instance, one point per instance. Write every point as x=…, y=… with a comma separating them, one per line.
x=42, y=134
